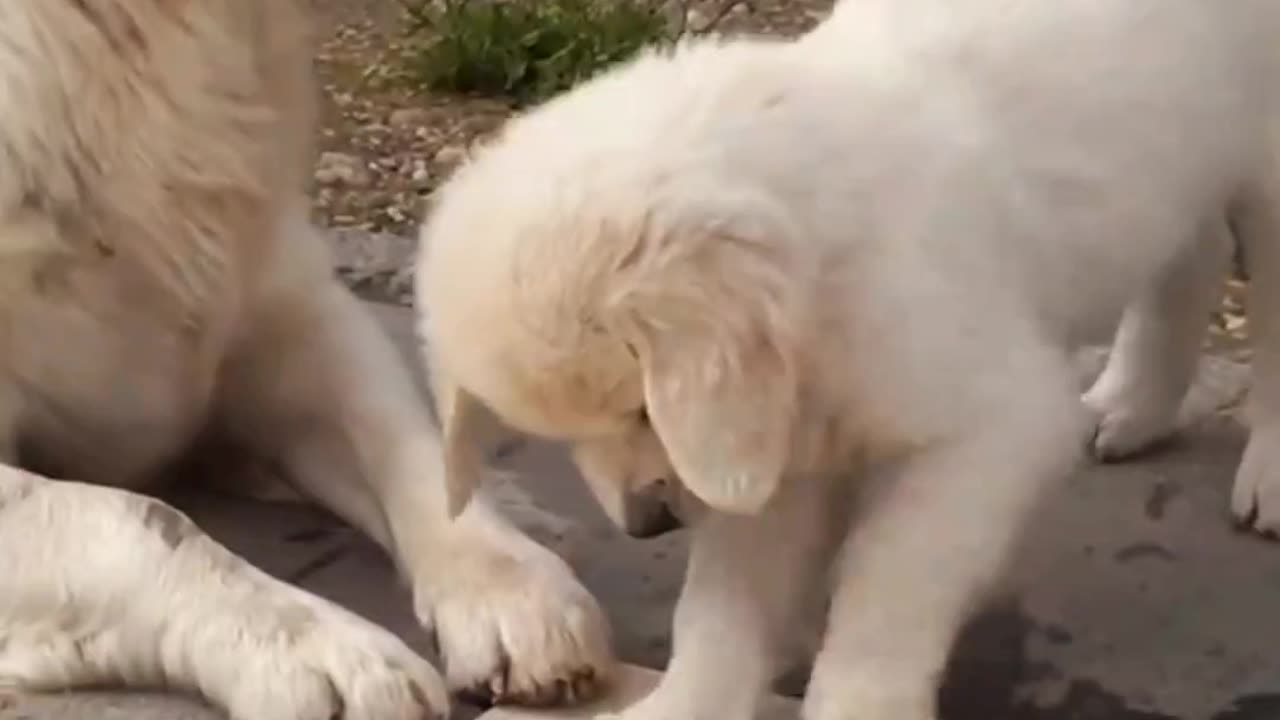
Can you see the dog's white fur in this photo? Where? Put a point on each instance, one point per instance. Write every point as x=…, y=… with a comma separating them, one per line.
x=867, y=254
x=159, y=279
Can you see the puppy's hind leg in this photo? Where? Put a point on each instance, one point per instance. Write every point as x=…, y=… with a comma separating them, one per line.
x=1255, y=499
x=103, y=587
x=1153, y=361
x=318, y=386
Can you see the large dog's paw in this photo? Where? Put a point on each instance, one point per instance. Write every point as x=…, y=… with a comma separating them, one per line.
x=517, y=627
x=1255, y=499
x=1127, y=423
x=313, y=662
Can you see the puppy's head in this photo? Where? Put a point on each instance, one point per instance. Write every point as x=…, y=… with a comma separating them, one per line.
x=606, y=274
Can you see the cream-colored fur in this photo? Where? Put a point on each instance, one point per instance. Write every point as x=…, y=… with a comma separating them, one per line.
x=867, y=254
x=159, y=280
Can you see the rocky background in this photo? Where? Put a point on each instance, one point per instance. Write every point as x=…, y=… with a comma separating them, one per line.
x=386, y=144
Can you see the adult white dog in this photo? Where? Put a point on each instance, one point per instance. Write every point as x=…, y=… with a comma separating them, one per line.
x=867, y=253
x=158, y=279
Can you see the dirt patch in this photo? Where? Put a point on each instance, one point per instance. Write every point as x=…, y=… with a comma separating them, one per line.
x=384, y=146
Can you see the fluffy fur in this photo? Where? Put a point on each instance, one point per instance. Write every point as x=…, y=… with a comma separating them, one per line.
x=159, y=285
x=866, y=254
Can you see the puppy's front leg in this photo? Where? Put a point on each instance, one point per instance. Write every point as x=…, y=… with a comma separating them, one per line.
x=926, y=552
x=746, y=579
x=101, y=586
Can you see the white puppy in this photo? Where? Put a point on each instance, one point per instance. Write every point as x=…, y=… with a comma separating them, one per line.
x=158, y=279
x=867, y=254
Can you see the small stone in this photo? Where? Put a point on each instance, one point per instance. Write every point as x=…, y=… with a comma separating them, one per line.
x=408, y=118
x=421, y=177
x=451, y=155
x=336, y=168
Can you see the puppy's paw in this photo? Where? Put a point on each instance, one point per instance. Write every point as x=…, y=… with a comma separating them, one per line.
x=862, y=691
x=1255, y=499
x=317, y=664
x=515, y=626
x=1126, y=425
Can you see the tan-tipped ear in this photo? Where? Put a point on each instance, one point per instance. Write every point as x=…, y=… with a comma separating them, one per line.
x=724, y=414
x=467, y=425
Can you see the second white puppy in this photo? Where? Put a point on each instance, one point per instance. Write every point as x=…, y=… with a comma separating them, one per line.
x=867, y=254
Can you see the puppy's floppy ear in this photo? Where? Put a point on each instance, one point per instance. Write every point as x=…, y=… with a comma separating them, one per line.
x=724, y=410
x=463, y=457
x=715, y=328
x=468, y=428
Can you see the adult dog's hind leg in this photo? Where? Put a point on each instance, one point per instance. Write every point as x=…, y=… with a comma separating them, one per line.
x=102, y=586
x=1154, y=357
x=319, y=386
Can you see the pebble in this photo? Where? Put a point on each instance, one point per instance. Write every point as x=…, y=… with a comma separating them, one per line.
x=421, y=177
x=408, y=118
x=451, y=155
x=336, y=168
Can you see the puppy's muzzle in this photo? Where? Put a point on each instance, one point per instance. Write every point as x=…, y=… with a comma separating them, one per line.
x=649, y=514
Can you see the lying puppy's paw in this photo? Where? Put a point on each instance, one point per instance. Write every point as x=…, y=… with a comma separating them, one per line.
x=1255, y=499
x=319, y=665
x=517, y=629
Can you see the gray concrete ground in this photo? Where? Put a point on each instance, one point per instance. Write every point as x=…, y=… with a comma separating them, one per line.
x=1131, y=599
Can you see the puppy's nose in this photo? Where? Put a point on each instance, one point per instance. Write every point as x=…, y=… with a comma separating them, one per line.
x=659, y=520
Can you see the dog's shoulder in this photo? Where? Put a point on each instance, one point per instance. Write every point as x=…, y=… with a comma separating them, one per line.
x=148, y=131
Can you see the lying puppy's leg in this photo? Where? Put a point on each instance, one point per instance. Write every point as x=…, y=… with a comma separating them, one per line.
x=747, y=578
x=103, y=586
x=1153, y=361
x=1255, y=500
x=319, y=386
x=928, y=550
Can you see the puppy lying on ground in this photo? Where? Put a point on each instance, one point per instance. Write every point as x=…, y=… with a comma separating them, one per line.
x=160, y=280
x=867, y=254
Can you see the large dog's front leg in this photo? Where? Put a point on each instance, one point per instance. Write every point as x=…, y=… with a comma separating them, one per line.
x=746, y=582
x=926, y=552
x=319, y=386
x=101, y=586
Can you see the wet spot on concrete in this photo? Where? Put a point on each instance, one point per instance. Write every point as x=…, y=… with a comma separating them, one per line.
x=1141, y=551
x=1057, y=635
x=991, y=670
x=1252, y=707
x=1158, y=499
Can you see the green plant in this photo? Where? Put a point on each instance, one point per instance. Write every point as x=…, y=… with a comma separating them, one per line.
x=526, y=49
